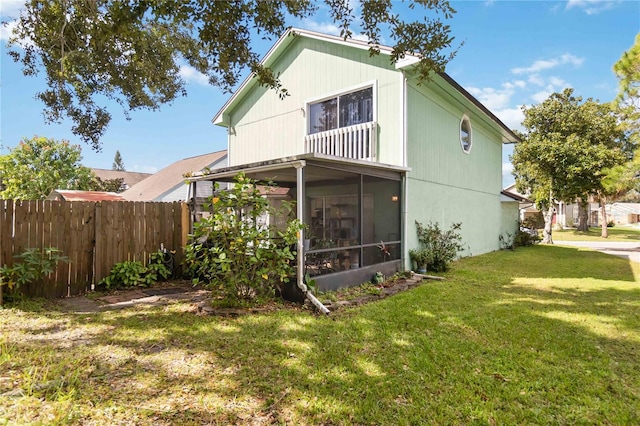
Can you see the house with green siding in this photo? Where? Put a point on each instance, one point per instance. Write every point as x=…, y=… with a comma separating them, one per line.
x=366, y=149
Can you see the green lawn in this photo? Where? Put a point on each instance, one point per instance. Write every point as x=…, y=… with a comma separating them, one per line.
x=621, y=233
x=542, y=335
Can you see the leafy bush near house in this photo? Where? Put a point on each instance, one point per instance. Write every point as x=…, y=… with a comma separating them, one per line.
x=611, y=224
x=443, y=246
x=135, y=274
x=234, y=251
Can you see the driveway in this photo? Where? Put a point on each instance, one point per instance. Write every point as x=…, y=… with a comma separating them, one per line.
x=628, y=250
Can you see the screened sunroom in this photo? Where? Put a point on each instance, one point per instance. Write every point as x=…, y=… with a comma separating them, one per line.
x=352, y=209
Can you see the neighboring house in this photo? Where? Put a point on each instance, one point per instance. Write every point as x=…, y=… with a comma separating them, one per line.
x=367, y=150
x=128, y=178
x=512, y=210
x=526, y=207
x=623, y=213
x=168, y=184
x=71, y=195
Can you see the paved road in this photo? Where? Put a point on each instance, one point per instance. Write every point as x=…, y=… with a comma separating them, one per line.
x=628, y=250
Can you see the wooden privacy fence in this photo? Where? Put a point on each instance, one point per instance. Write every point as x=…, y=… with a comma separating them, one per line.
x=94, y=235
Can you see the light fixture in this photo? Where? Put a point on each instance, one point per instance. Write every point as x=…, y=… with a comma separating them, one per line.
x=394, y=198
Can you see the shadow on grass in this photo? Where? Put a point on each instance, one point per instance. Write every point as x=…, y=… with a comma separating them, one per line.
x=546, y=335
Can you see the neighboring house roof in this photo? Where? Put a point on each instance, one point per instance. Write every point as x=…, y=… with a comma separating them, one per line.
x=69, y=195
x=513, y=192
x=407, y=62
x=171, y=176
x=129, y=178
x=514, y=197
x=626, y=208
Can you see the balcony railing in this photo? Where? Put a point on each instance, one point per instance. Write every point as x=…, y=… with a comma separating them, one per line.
x=356, y=142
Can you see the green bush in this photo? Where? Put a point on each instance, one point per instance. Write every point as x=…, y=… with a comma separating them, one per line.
x=234, y=252
x=135, y=274
x=611, y=224
x=442, y=246
x=34, y=265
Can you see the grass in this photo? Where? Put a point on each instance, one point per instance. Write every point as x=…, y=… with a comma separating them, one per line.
x=624, y=233
x=542, y=335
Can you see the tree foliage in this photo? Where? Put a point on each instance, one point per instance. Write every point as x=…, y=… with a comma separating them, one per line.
x=118, y=164
x=567, y=146
x=235, y=252
x=39, y=165
x=628, y=71
x=132, y=52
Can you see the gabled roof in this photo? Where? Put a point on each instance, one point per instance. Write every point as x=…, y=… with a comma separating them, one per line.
x=515, y=197
x=70, y=195
x=171, y=176
x=129, y=178
x=408, y=62
x=626, y=208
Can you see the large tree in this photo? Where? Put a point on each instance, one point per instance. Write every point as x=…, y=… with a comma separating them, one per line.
x=616, y=183
x=132, y=51
x=628, y=71
x=567, y=146
x=118, y=164
x=39, y=165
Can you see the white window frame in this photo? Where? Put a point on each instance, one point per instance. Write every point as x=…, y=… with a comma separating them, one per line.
x=373, y=84
x=462, y=120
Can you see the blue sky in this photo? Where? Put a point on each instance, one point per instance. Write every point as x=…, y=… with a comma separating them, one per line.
x=515, y=53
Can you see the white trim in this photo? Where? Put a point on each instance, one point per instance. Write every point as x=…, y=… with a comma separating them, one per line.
x=336, y=93
x=404, y=108
x=465, y=117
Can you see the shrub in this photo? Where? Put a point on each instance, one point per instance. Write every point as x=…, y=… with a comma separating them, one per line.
x=524, y=238
x=443, y=246
x=34, y=265
x=611, y=224
x=135, y=274
x=234, y=252
x=534, y=221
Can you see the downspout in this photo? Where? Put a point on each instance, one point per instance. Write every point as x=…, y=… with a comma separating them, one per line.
x=300, y=250
x=405, y=181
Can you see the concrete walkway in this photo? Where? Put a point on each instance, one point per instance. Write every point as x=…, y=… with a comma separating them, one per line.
x=628, y=250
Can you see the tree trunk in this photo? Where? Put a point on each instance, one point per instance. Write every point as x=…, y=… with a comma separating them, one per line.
x=603, y=216
x=583, y=217
x=548, y=225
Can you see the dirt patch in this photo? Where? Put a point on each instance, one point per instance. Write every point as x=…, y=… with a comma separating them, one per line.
x=182, y=291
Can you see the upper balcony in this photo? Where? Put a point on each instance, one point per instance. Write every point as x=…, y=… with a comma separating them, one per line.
x=357, y=142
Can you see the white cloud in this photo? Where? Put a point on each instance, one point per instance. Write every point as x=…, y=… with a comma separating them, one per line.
x=542, y=95
x=592, y=7
x=536, y=79
x=7, y=29
x=321, y=27
x=511, y=117
x=11, y=8
x=546, y=64
x=507, y=168
x=493, y=99
x=558, y=82
x=191, y=75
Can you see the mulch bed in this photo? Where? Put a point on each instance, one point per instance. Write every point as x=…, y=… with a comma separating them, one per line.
x=386, y=289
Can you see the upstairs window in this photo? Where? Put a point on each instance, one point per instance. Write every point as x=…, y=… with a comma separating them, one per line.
x=341, y=111
x=465, y=134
